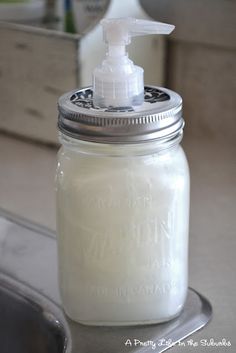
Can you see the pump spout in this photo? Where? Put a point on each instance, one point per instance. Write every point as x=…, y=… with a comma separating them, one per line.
x=120, y=30
x=118, y=82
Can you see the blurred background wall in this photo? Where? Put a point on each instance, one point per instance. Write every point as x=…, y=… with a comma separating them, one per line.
x=201, y=62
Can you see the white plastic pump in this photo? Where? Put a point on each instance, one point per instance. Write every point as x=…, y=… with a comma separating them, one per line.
x=118, y=82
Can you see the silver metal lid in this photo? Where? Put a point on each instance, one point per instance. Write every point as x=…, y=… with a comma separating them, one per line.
x=160, y=116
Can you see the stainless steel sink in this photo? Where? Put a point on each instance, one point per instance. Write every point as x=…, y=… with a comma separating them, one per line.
x=29, y=323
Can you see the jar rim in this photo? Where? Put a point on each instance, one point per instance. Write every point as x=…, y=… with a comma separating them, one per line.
x=159, y=117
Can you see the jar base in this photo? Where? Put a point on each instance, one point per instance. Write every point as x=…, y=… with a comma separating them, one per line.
x=123, y=323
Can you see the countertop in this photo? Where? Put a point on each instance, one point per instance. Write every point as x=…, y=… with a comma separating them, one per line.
x=27, y=189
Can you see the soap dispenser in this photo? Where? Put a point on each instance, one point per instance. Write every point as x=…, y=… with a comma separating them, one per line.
x=122, y=192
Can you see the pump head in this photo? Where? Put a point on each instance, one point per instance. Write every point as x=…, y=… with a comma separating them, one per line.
x=118, y=82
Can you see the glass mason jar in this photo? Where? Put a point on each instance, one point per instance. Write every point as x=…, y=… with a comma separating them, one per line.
x=122, y=211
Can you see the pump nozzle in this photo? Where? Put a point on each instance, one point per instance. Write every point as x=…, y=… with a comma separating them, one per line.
x=118, y=82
